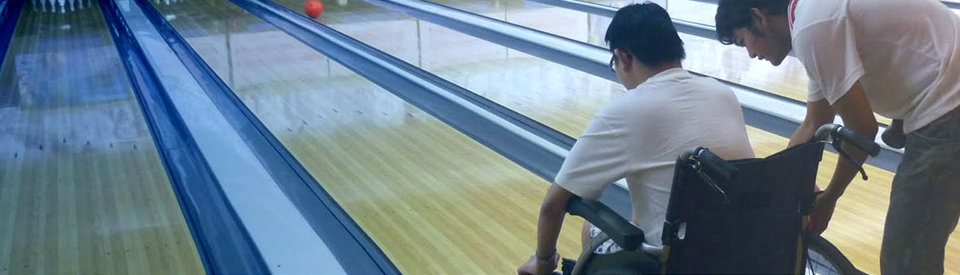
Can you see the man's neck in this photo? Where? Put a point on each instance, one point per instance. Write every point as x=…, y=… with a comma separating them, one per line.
x=645, y=73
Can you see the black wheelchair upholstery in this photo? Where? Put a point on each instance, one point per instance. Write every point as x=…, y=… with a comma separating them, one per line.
x=749, y=222
x=743, y=217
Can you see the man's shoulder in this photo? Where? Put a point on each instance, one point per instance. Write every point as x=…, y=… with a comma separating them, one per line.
x=659, y=99
x=710, y=83
x=819, y=9
x=713, y=88
x=815, y=13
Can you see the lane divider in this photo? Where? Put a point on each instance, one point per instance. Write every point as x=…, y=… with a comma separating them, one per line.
x=222, y=241
x=9, y=17
x=296, y=226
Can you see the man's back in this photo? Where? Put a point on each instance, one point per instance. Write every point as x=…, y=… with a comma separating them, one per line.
x=639, y=135
x=904, y=53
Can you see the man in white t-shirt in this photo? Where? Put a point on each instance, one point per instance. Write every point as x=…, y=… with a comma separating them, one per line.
x=639, y=135
x=900, y=59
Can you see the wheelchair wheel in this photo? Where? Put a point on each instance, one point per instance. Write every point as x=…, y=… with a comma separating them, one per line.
x=823, y=258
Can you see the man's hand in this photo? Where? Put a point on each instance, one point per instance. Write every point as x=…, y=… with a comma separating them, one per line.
x=822, y=212
x=535, y=266
x=818, y=113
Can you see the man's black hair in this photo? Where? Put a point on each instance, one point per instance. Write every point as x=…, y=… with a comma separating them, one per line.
x=646, y=32
x=735, y=14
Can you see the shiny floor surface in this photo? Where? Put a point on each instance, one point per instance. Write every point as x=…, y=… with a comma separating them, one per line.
x=82, y=189
x=434, y=200
x=562, y=98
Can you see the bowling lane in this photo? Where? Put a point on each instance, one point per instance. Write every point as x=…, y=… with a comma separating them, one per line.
x=690, y=10
x=434, y=200
x=705, y=56
x=560, y=97
x=82, y=189
x=490, y=70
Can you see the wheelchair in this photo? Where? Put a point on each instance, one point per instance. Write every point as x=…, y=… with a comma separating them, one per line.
x=728, y=217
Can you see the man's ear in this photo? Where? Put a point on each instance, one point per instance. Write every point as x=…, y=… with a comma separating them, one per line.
x=623, y=58
x=760, y=19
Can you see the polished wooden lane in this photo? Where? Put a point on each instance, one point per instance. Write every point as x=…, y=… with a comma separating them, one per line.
x=82, y=189
x=433, y=199
x=304, y=99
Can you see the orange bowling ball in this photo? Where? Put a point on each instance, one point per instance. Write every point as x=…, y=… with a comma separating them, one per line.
x=313, y=8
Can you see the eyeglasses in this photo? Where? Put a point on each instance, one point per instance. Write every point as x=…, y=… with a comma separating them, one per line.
x=613, y=63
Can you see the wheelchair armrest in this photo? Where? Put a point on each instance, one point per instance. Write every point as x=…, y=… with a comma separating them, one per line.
x=621, y=231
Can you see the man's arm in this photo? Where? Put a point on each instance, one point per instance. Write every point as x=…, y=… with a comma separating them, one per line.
x=818, y=113
x=854, y=109
x=597, y=160
x=857, y=115
x=552, y=212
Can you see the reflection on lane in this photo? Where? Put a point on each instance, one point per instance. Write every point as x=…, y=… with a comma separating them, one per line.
x=560, y=97
x=82, y=189
x=435, y=201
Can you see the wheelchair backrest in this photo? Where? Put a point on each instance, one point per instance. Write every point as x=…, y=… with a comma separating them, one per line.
x=752, y=226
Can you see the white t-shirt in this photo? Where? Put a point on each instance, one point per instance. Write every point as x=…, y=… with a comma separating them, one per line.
x=639, y=135
x=906, y=54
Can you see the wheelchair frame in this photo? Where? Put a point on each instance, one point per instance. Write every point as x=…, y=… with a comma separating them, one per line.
x=713, y=169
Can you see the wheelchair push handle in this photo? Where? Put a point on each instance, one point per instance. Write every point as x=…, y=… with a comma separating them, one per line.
x=842, y=133
x=712, y=169
x=713, y=165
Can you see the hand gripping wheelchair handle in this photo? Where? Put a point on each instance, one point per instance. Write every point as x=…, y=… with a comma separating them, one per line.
x=845, y=134
x=622, y=232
